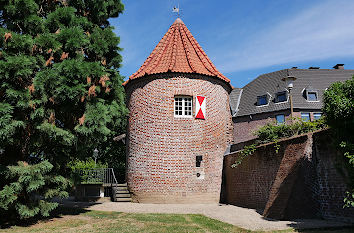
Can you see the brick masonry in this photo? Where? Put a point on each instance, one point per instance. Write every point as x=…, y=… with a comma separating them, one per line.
x=303, y=180
x=244, y=126
x=162, y=149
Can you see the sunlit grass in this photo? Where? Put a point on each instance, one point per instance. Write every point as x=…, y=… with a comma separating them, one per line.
x=100, y=221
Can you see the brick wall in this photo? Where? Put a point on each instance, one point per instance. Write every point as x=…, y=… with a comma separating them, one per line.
x=332, y=177
x=244, y=126
x=302, y=180
x=162, y=149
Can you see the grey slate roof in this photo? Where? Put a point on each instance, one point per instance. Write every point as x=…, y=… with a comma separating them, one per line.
x=235, y=99
x=271, y=83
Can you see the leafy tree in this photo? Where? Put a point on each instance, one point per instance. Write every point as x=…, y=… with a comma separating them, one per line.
x=339, y=114
x=60, y=88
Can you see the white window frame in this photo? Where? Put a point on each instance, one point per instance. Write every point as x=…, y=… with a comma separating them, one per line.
x=317, y=113
x=278, y=123
x=267, y=99
x=286, y=97
x=307, y=96
x=184, y=115
x=309, y=114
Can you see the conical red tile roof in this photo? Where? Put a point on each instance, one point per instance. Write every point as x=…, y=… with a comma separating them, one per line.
x=178, y=51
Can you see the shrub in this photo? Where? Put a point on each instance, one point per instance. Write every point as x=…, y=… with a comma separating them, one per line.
x=81, y=171
x=30, y=189
x=339, y=114
x=271, y=131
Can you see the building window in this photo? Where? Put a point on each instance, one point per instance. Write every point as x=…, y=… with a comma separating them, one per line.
x=183, y=106
x=312, y=96
x=262, y=100
x=305, y=116
x=281, y=97
x=280, y=118
x=317, y=115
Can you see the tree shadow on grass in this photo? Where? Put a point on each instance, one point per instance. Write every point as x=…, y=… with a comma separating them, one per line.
x=64, y=209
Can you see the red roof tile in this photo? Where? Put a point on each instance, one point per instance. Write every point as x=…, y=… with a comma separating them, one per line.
x=178, y=51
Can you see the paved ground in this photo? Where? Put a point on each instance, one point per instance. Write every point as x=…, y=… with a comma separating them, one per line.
x=241, y=217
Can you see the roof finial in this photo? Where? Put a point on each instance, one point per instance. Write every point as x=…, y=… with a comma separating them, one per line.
x=176, y=10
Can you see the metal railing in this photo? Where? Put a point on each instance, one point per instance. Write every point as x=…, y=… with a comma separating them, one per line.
x=104, y=176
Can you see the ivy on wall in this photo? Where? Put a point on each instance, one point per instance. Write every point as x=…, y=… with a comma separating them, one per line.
x=272, y=133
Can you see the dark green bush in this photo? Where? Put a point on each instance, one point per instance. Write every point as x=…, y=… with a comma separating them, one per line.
x=339, y=115
x=29, y=190
x=81, y=171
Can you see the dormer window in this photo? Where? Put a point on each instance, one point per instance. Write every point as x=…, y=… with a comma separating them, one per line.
x=281, y=97
x=183, y=106
x=312, y=96
x=262, y=100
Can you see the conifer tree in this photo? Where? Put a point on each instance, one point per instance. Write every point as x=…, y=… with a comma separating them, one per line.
x=60, y=92
x=60, y=88
x=20, y=197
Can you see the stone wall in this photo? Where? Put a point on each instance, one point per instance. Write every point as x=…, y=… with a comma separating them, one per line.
x=162, y=149
x=302, y=180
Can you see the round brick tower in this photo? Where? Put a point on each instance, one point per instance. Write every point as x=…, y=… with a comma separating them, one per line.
x=179, y=123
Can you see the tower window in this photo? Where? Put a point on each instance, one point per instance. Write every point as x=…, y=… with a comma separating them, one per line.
x=198, y=159
x=183, y=106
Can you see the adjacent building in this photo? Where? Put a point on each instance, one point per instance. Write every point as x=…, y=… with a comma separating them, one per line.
x=266, y=98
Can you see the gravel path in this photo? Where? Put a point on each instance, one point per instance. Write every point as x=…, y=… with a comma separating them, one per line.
x=241, y=217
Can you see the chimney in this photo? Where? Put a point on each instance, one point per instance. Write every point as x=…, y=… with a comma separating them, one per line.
x=339, y=67
x=314, y=68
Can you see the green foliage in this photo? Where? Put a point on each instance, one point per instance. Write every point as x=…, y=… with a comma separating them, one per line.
x=30, y=189
x=81, y=170
x=77, y=165
x=339, y=104
x=339, y=114
x=61, y=93
x=60, y=89
x=349, y=199
x=246, y=151
x=271, y=131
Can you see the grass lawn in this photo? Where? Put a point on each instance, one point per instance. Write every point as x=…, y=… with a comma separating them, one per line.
x=99, y=221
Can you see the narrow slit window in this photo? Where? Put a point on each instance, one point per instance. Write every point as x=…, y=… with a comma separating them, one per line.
x=198, y=160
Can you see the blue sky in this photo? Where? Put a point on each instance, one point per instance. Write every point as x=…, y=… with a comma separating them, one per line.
x=244, y=38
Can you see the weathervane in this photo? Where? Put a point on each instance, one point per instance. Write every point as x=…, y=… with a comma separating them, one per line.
x=176, y=10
